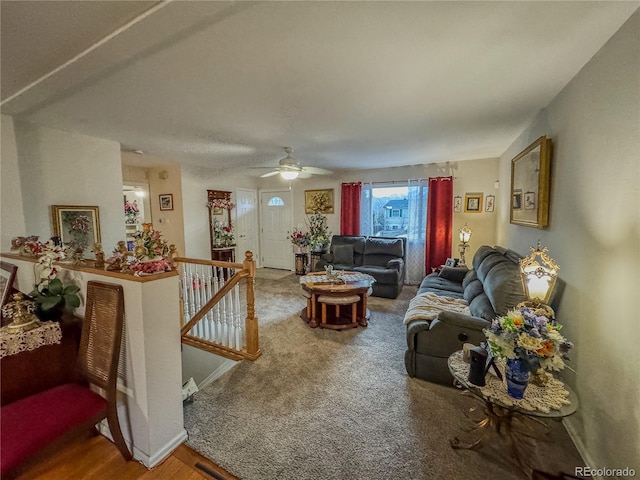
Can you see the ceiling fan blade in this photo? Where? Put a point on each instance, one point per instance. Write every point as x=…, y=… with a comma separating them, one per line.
x=270, y=174
x=304, y=174
x=317, y=171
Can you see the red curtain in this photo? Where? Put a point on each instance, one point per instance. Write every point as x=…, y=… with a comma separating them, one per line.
x=350, y=208
x=439, y=222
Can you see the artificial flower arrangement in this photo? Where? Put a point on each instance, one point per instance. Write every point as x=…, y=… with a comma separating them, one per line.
x=221, y=203
x=318, y=232
x=223, y=235
x=149, y=244
x=299, y=238
x=531, y=335
x=131, y=210
x=49, y=292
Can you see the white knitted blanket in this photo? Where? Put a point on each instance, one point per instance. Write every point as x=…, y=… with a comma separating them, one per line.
x=427, y=306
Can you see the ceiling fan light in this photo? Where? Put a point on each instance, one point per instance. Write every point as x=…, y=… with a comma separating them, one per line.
x=288, y=175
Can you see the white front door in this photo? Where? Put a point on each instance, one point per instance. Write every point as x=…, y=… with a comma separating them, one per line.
x=275, y=226
x=247, y=223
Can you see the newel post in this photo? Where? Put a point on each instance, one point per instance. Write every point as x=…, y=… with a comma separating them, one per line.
x=251, y=322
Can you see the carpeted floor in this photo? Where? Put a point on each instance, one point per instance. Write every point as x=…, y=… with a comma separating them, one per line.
x=333, y=405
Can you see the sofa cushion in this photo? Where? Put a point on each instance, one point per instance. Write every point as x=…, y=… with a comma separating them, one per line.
x=343, y=254
x=455, y=274
x=503, y=287
x=433, y=282
x=356, y=242
x=481, y=307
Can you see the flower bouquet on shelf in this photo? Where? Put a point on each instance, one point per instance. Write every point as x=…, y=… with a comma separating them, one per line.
x=221, y=204
x=150, y=250
x=223, y=235
x=131, y=212
x=529, y=340
x=299, y=239
x=318, y=232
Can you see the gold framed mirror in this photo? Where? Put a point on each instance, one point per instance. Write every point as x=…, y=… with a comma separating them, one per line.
x=530, y=181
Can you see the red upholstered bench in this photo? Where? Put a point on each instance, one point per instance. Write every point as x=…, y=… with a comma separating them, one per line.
x=30, y=424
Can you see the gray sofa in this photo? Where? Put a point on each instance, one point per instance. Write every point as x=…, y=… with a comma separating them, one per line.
x=492, y=288
x=382, y=258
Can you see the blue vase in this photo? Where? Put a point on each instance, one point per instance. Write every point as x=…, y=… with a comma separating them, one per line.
x=517, y=375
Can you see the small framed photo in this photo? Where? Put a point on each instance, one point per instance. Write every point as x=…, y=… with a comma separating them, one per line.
x=166, y=201
x=473, y=202
x=457, y=204
x=529, y=200
x=451, y=262
x=490, y=203
x=8, y=273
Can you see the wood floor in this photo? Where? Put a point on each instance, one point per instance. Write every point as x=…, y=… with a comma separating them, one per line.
x=95, y=457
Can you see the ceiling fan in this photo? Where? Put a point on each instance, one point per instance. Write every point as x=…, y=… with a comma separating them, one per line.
x=290, y=168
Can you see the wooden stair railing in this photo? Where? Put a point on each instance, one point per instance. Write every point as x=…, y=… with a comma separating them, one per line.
x=212, y=307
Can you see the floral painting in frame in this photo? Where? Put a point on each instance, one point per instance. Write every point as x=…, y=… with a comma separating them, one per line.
x=76, y=225
x=318, y=201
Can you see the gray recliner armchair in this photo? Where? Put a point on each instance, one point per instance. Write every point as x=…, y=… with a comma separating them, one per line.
x=492, y=288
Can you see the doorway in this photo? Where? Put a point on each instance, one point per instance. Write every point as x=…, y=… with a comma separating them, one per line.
x=275, y=226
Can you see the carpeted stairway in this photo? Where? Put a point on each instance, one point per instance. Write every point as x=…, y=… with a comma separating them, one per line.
x=333, y=405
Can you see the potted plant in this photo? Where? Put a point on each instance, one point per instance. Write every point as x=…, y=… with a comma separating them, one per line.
x=50, y=294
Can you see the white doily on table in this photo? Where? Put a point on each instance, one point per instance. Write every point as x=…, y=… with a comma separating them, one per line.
x=347, y=277
x=48, y=333
x=551, y=396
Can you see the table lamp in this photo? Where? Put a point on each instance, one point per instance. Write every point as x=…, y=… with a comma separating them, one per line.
x=465, y=235
x=539, y=273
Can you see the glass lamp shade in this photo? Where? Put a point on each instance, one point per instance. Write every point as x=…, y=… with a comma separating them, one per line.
x=539, y=272
x=289, y=175
x=465, y=234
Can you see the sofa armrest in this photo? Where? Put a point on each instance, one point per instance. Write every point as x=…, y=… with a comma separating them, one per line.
x=460, y=320
x=414, y=327
x=396, y=263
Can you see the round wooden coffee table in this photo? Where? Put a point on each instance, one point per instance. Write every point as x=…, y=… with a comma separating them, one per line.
x=336, y=305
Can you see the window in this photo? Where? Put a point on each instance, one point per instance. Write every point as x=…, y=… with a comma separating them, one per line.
x=275, y=202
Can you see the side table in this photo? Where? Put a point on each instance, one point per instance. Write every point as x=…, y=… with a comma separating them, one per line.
x=315, y=256
x=506, y=416
x=301, y=263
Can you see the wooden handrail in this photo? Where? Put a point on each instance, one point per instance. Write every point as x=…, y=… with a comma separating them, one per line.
x=246, y=269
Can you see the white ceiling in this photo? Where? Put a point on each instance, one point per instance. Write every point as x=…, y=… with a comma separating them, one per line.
x=347, y=84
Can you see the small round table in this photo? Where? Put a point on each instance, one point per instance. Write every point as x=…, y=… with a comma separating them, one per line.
x=321, y=291
x=505, y=416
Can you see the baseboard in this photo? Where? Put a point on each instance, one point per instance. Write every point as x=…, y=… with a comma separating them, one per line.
x=218, y=372
x=147, y=460
x=165, y=451
x=577, y=442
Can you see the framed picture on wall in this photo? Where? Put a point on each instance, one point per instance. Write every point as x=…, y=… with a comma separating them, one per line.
x=490, y=203
x=457, y=204
x=318, y=201
x=77, y=225
x=166, y=201
x=473, y=202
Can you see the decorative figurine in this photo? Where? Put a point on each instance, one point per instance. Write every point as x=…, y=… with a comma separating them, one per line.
x=97, y=251
x=173, y=254
x=21, y=312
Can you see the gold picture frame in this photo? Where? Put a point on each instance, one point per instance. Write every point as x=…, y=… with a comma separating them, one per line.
x=63, y=217
x=473, y=202
x=318, y=201
x=530, y=182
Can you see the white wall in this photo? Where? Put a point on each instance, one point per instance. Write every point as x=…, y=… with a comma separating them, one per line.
x=62, y=168
x=11, y=209
x=195, y=183
x=594, y=234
